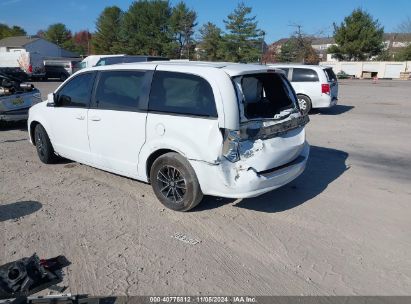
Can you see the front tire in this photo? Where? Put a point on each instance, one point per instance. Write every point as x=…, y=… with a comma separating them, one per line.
x=175, y=183
x=305, y=104
x=44, y=147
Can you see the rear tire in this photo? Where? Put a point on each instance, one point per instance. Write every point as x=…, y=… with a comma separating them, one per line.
x=175, y=183
x=44, y=147
x=305, y=104
x=63, y=77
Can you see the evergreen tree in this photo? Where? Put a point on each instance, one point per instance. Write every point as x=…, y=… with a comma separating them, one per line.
x=211, y=42
x=145, y=29
x=6, y=31
x=359, y=37
x=107, y=30
x=243, y=40
x=183, y=22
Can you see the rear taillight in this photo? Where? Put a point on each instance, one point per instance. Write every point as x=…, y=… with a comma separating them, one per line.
x=30, y=68
x=325, y=88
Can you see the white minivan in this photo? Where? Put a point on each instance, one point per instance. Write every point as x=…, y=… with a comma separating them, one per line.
x=316, y=86
x=222, y=129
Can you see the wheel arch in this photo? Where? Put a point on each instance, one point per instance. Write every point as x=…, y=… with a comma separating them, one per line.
x=33, y=125
x=153, y=156
x=305, y=95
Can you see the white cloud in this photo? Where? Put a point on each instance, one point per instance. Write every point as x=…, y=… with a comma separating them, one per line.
x=7, y=2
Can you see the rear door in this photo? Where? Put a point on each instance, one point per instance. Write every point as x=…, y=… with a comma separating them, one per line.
x=117, y=118
x=182, y=115
x=332, y=81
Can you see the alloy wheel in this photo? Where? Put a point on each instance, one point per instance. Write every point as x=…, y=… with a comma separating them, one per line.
x=172, y=184
x=302, y=103
x=40, y=143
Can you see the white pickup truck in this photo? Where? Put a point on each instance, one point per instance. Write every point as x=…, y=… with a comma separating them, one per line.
x=30, y=63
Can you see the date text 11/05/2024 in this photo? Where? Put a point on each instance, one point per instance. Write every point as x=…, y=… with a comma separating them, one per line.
x=202, y=299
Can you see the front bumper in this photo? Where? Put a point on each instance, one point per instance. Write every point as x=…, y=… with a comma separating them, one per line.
x=15, y=115
x=247, y=183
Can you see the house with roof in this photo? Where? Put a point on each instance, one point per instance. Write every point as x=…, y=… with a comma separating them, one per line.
x=33, y=44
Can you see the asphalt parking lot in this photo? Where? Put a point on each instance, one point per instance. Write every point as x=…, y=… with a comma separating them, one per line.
x=342, y=228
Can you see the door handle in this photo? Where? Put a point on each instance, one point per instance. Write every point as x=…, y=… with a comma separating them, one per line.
x=95, y=118
x=80, y=117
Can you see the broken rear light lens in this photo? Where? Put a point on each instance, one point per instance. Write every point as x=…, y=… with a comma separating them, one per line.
x=231, y=145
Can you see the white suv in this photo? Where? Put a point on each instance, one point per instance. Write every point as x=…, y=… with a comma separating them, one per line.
x=316, y=86
x=223, y=129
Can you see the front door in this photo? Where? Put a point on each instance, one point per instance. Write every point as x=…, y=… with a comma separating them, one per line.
x=69, y=118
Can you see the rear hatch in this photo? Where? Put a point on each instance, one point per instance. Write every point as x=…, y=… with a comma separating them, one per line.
x=332, y=81
x=272, y=127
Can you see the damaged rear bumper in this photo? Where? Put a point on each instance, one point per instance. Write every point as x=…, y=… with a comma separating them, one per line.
x=248, y=183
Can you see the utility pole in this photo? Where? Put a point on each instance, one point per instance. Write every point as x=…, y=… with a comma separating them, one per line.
x=262, y=46
x=88, y=42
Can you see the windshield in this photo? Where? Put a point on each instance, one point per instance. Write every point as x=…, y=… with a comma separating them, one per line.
x=264, y=95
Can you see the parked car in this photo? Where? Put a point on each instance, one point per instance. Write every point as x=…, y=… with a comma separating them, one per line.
x=229, y=130
x=60, y=68
x=344, y=75
x=128, y=59
x=316, y=86
x=16, y=97
x=14, y=73
x=91, y=61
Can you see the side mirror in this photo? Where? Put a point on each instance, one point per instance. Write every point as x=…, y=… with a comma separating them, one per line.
x=55, y=98
x=51, y=99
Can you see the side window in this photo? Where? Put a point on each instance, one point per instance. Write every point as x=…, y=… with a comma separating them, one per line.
x=304, y=75
x=76, y=93
x=101, y=62
x=133, y=59
x=113, y=60
x=182, y=94
x=119, y=90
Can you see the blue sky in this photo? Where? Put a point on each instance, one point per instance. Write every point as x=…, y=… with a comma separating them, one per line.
x=274, y=17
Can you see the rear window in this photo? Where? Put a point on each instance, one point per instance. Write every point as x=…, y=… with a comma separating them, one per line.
x=109, y=61
x=181, y=93
x=304, y=75
x=330, y=74
x=266, y=94
x=133, y=59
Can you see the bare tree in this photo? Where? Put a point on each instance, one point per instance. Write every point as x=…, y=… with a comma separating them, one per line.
x=405, y=26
